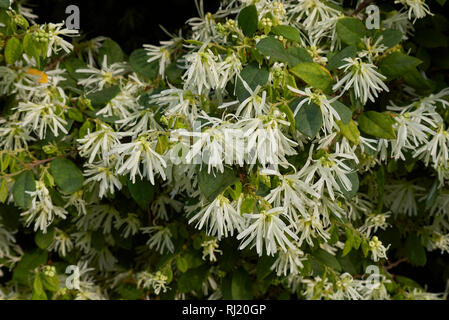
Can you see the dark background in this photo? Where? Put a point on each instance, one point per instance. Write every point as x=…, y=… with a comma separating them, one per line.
x=131, y=23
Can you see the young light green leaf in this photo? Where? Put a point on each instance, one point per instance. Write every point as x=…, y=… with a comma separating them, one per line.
x=13, y=50
x=314, y=75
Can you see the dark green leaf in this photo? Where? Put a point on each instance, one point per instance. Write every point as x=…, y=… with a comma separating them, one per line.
x=414, y=251
x=397, y=64
x=101, y=98
x=248, y=20
x=241, y=286
x=68, y=177
x=253, y=76
x=287, y=32
x=139, y=62
x=327, y=259
x=336, y=61
x=112, y=51
x=390, y=37
x=308, y=119
x=43, y=240
x=27, y=263
x=211, y=185
x=142, y=191
x=273, y=48
x=24, y=184
x=350, y=30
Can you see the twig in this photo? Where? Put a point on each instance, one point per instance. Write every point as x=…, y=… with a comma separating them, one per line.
x=362, y=6
x=395, y=264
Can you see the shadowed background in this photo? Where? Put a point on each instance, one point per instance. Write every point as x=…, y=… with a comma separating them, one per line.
x=131, y=23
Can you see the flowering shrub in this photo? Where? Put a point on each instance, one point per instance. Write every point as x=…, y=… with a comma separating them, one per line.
x=280, y=149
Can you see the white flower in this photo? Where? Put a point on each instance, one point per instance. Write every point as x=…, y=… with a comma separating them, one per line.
x=220, y=218
x=61, y=243
x=160, y=53
x=210, y=247
x=13, y=136
x=156, y=281
x=372, y=50
x=99, y=143
x=102, y=216
x=160, y=239
x=401, y=197
x=315, y=12
x=131, y=225
x=104, y=175
x=203, y=71
x=363, y=77
x=39, y=117
x=141, y=151
x=417, y=8
x=288, y=262
x=378, y=251
x=55, y=41
x=267, y=228
x=99, y=78
x=399, y=21
x=373, y=222
x=42, y=211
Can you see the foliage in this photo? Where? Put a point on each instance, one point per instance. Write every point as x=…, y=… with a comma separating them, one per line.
x=276, y=151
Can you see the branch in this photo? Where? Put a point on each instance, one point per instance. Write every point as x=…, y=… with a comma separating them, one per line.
x=362, y=6
x=395, y=264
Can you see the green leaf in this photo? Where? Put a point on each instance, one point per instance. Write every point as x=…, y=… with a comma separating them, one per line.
x=397, y=64
x=390, y=37
x=211, y=185
x=350, y=131
x=308, y=119
x=29, y=261
x=414, y=251
x=129, y=291
x=192, y=279
x=273, y=48
x=139, y=62
x=343, y=111
x=327, y=259
x=248, y=20
x=44, y=240
x=241, y=286
x=441, y=2
x=68, y=177
x=112, y=51
x=297, y=55
x=253, y=76
x=365, y=248
x=355, y=184
x=314, y=75
x=350, y=30
x=101, y=98
x=30, y=47
x=142, y=192
x=287, y=32
x=13, y=50
x=24, y=184
x=5, y=4
x=38, y=289
x=349, y=242
x=336, y=61
x=377, y=124
x=3, y=191
x=182, y=264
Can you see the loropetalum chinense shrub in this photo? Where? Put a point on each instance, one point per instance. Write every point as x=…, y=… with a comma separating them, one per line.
x=279, y=149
